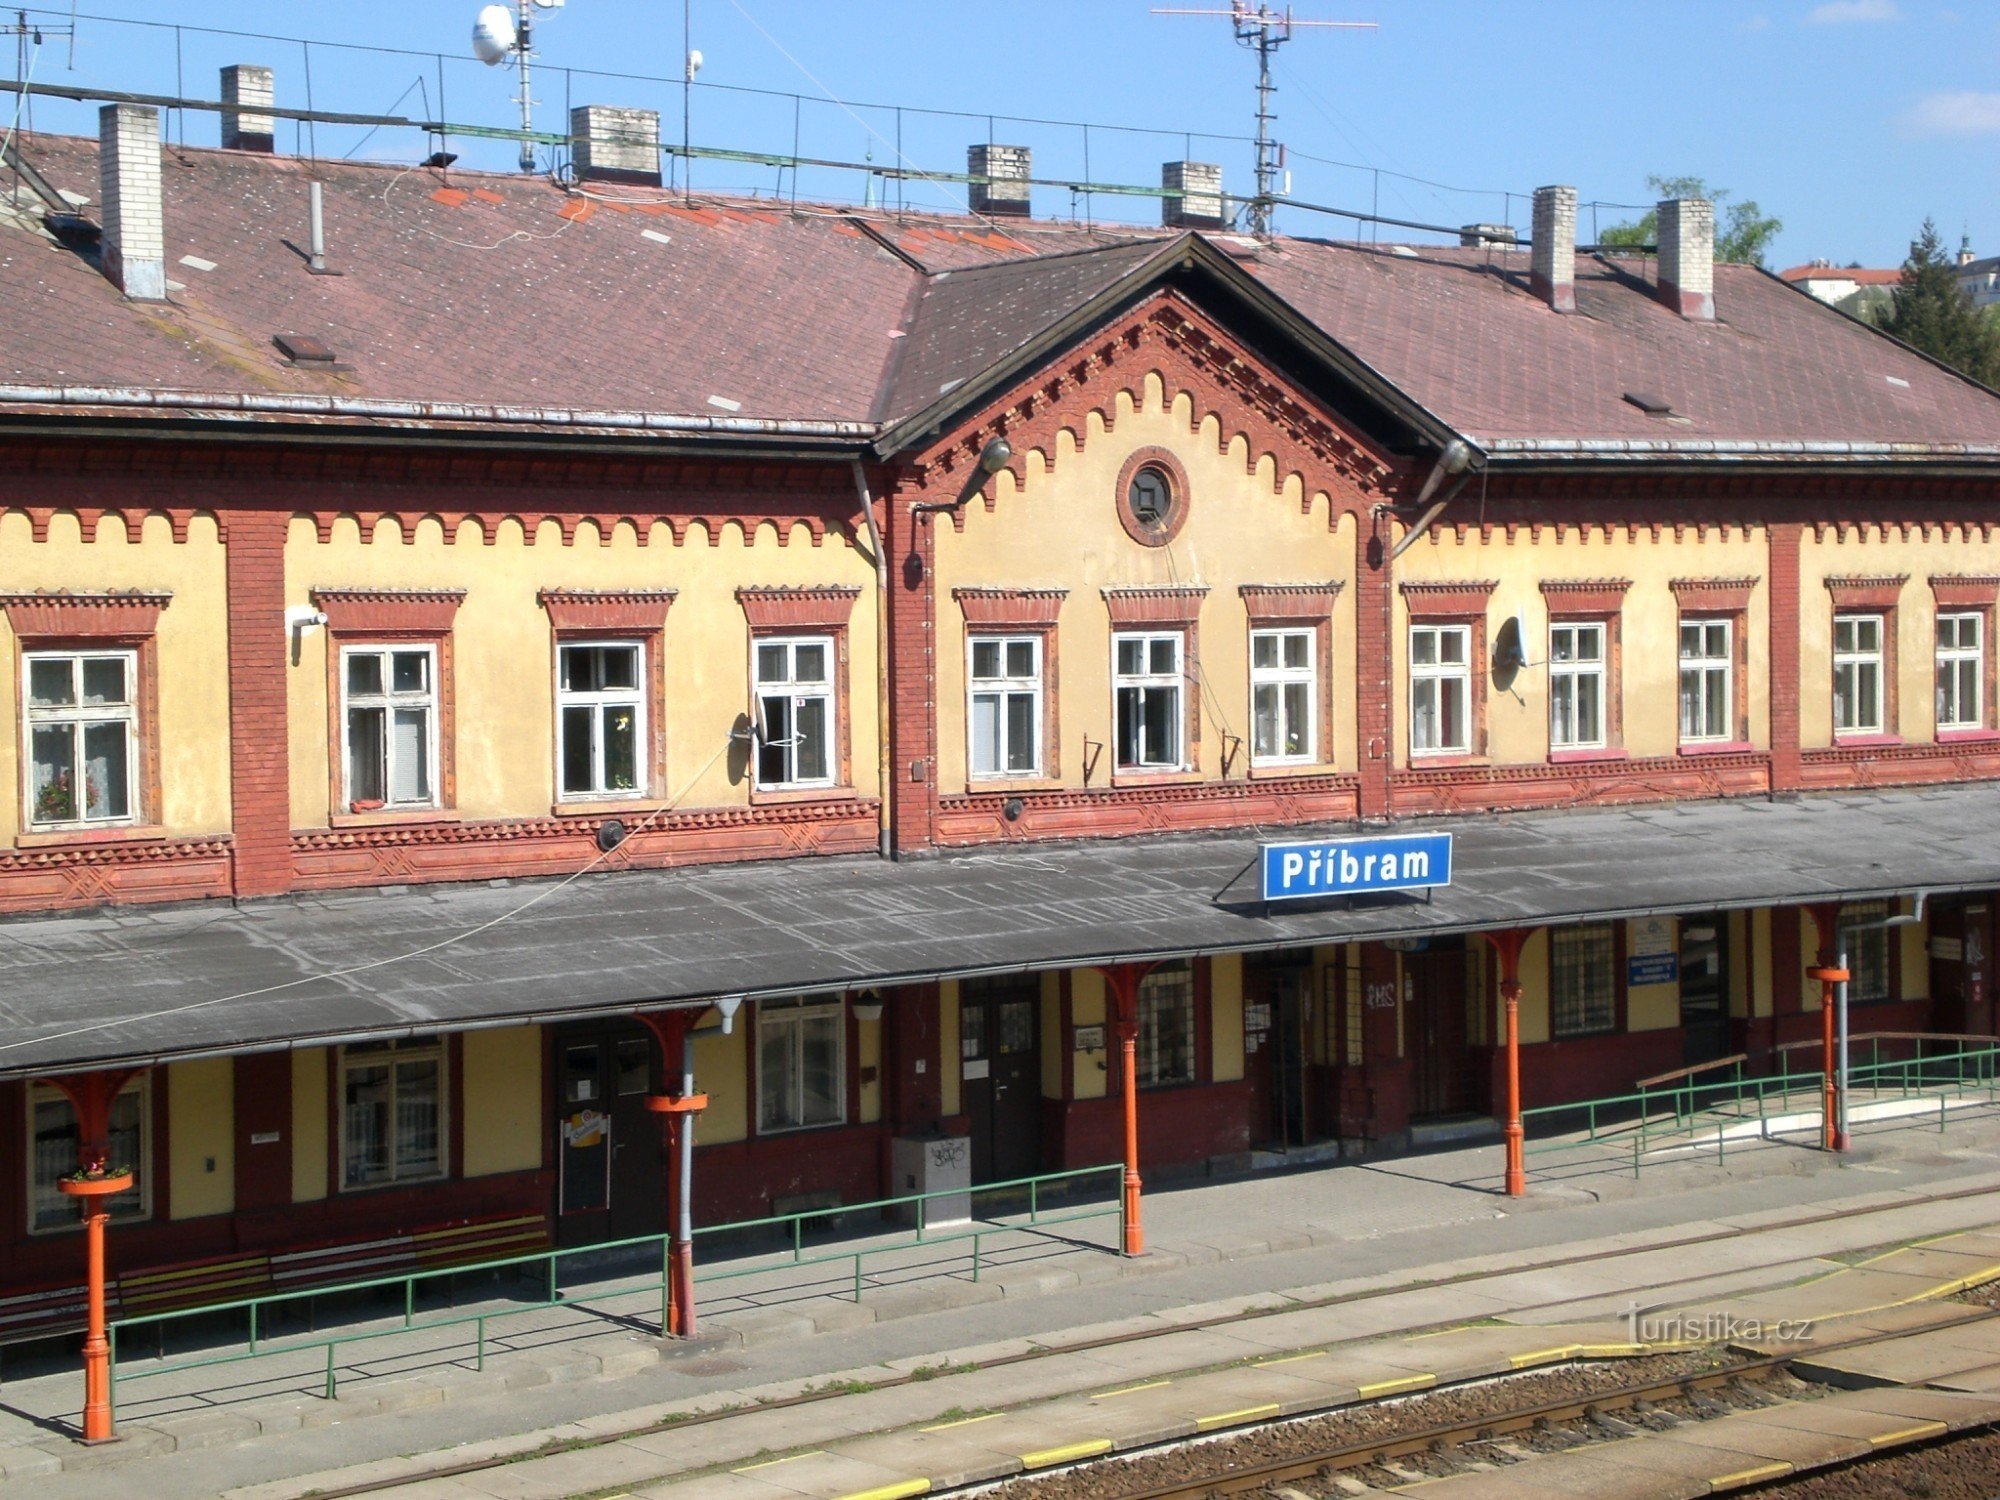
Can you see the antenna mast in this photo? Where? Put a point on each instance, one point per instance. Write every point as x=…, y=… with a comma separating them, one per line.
x=1264, y=30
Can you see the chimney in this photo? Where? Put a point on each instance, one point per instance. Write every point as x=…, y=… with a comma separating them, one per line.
x=128, y=164
x=247, y=91
x=615, y=145
x=1487, y=236
x=1200, y=185
x=1552, y=254
x=1687, y=257
x=1006, y=170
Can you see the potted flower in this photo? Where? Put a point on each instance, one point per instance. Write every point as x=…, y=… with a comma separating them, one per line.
x=95, y=1180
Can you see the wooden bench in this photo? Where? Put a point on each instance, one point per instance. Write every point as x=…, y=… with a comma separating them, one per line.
x=46, y=1310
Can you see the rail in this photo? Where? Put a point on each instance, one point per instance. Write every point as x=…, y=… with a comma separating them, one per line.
x=546, y=1267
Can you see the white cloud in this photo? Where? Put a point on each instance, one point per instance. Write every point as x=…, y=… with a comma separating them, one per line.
x=1963, y=112
x=1754, y=23
x=1846, y=12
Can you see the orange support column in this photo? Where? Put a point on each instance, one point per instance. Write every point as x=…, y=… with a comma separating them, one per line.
x=1121, y=994
x=1507, y=947
x=671, y=1029
x=96, y=1178
x=1826, y=920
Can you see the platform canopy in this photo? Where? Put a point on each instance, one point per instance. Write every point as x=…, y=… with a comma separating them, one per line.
x=137, y=985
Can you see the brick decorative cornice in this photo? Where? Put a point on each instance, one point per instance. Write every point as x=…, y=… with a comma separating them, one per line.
x=1165, y=604
x=1585, y=596
x=1001, y=606
x=389, y=611
x=818, y=607
x=517, y=830
x=607, y=609
x=1720, y=595
x=1457, y=598
x=1309, y=602
x=64, y=614
x=1879, y=592
x=121, y=852
x=1964, y=590
x=1464, y=789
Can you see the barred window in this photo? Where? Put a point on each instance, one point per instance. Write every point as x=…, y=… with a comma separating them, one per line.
x=1866, y=942
x=1166, y=1025
x=1583, y=981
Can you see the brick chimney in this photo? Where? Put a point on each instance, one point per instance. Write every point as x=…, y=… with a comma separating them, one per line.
x=1200, y=185
x=1007, y=170
x=128, y=164
x=1687, y=257
x=247, y=93
x=1552, y=253
x=1488, y=236
x=608, y=144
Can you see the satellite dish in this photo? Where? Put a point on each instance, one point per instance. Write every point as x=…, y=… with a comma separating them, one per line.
x=1510, y=652
x=548, y=4
x=494, y=35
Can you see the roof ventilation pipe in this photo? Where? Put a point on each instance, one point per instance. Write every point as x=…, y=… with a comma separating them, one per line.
x=1199, y=184
x=1004, y=193
x=248, y=92
x=1687, y=257
x=128, y=164
x=1552, y=255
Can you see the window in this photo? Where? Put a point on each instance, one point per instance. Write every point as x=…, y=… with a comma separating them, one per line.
x=1576, y=687
x=795, y=703
x=1166, y=1026
x=82, y=725
x=391, y=1112
x=800, y=1079
x=1857, y=674
x=1961, y=666
x=1152, y=496
x=1146, y=684
x=52, y=1127
x=1583, y=981
x=389, y=710
x=1283, y=695
x=601, y=718
x=1708, y=692
x=1004, y=714
x=1440, y=689
x=1866, y=942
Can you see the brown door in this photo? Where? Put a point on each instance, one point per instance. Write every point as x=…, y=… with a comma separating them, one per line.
x=1961, y=970
x=999, y=1035
x=1275, y=1006
x=1704, y=972
x=1443, y=1080
x=610, y=1158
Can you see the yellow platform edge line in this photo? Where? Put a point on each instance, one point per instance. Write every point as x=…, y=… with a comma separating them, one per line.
x=1749, y=1476
x=1286, y=1359
x=1126, y=1390
x=1909, y=1434
x=1396, y=1387
x=1541, y=1356
x=961, y=1422
x=772, y=1463
x=1043, y=1458
x=1228, y=1418
x=901, y=1490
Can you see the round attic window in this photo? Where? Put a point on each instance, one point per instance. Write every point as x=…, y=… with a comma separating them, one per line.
x=1152, y=497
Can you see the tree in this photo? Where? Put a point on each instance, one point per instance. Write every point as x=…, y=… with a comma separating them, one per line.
x=1928, y=311
x=1742, y=232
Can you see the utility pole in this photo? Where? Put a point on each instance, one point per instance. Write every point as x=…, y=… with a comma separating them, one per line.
x=1264, y=30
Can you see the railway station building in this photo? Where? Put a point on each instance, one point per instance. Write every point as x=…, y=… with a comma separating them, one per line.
x=884, y=642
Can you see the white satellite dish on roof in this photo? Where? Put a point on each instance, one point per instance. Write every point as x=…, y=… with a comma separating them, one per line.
x=494, y=35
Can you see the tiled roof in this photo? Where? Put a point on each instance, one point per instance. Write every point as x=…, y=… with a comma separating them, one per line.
x=512, y=292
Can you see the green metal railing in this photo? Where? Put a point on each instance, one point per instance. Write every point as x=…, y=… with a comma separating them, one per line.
x=545, y=1268
x=1680, y=1109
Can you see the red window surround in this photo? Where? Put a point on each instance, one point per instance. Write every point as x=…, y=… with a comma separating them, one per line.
x=1722, y=599
x=1454, y=602
x=1589, y=601
x=615, y=614
x=1020, y=611
x=1874, y=594
x=1276, y=605
x=1165, y=607
x=1972, y=593
x=812, y=609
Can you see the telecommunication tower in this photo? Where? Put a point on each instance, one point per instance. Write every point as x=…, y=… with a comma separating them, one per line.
x=500, y=35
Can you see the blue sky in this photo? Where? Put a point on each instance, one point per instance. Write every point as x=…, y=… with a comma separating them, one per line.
x=1849, y=119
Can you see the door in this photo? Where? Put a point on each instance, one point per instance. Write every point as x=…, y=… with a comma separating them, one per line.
x=999, y=1047
x=1443, y=1080
x=1959, y=979
x=1276, y=1011
x=610, y=1154
x=1704, y=988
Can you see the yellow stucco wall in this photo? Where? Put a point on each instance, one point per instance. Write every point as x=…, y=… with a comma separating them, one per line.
x=1763, y=986
x=1086, y=1008
x=1648, y=692
x=201, y=1137
x=1226, y=1016
x=951, y=1074
x=309, y=1142
x=503, y=1100
x=869, y=1034
x=191, y=653
x=719, y=1063
x=503, y=662
x=1912, y=948
x=1535, y=989
x=1061, y=530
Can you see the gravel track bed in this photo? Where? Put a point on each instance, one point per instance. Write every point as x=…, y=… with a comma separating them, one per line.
x=1967, y=1469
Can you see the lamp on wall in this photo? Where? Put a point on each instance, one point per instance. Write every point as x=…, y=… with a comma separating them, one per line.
x=867, y=1005
x=727, y=1007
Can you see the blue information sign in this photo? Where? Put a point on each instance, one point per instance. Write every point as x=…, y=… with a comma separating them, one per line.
x=1653, y=968
x=1343, y=867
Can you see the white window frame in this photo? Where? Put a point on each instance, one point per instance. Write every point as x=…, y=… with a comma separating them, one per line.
x=1002, y=689
x=1702, y=667
x=1956, y=660
x=1571, y=675
x=1274, y=680
x=78, y=718
x=599, y=703
x=794, y=693
x=410, y=1050
x=1133, y=688
x=1851, y=662
x=1440, y=677
x=389, y=701
x=790, y=1019
x=52, y=1212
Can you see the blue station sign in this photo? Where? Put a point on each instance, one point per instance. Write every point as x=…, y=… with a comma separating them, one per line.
x=1348, y=867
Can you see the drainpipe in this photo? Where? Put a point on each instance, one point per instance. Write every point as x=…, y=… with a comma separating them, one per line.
x=884, y=779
